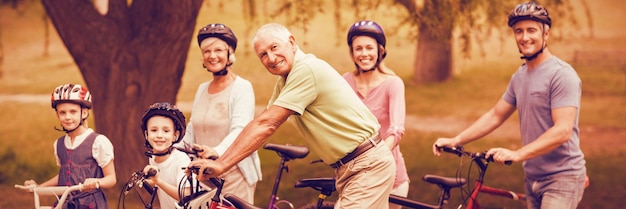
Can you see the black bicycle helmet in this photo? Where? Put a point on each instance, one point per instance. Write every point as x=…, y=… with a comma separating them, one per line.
x=220, y=31
x=529, y=11
x=167, y=110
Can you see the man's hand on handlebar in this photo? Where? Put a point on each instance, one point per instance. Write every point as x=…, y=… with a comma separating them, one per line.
x=503, y=155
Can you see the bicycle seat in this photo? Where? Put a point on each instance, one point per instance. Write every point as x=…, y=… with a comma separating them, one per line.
x=288, y=151
x=444, y=181
x=326, y=184
x=239, y=203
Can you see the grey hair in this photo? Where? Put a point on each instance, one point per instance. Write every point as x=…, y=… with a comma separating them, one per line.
x=274, y=30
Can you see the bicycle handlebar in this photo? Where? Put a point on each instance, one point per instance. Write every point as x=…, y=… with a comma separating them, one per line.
x=196, y=170
x=52, y=190
x=138, y=177
x=458, y=150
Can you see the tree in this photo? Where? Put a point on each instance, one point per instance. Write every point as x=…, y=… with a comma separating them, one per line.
x=130, y=55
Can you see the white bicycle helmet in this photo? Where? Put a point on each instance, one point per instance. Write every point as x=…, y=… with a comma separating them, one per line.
x=71, y=93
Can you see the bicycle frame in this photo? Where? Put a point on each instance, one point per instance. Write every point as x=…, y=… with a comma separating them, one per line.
x=198, y=199
x=206, y=199
x=286, y=153
x=482, y=162
x=64, y=191
x=445, y=184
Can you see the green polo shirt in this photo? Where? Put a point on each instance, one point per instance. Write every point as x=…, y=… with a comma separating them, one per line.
x=333, y=120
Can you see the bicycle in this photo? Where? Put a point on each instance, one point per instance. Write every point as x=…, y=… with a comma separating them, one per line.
x=447, y=183
x=326, y=186
x=199, y=197
x=64, y=191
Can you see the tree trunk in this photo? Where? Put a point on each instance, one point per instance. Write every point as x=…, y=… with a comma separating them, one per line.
x=130, y=58
x=434, y=48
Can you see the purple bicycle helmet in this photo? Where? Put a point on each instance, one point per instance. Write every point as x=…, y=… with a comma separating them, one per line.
x=367, y=28
x=220, y=31
x=529, y=11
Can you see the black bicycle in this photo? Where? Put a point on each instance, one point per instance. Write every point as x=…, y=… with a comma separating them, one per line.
x=326, y=186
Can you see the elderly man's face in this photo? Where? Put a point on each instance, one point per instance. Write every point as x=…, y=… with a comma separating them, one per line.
x=275, y=54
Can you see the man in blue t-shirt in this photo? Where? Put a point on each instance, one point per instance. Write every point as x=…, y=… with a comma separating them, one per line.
x=546, y=91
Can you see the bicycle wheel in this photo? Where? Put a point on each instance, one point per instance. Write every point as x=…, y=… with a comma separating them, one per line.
x=325, y=205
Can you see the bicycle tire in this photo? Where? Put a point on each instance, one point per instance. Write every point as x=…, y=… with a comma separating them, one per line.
x=325, y=205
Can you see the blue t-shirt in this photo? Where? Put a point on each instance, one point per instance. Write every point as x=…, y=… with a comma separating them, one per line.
x=552, y=84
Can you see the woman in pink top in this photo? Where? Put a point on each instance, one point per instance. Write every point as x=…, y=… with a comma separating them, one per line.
x=381, y=90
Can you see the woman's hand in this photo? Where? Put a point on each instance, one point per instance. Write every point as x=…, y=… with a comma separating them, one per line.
x=205, y=152
x=205, y=168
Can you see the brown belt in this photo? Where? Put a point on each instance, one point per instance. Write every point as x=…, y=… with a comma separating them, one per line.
x=363, y=147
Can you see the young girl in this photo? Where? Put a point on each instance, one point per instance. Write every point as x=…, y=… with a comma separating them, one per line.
x=163, y=125
x=84, y=157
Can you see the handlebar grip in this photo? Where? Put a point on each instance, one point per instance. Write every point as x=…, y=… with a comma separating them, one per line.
x=151, y=172
x=197, y=149
x=457, y=150
x=209, y=171
x=506, y=162
x=196, y=169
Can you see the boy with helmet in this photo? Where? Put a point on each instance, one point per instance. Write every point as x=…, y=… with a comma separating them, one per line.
x=85, y=157
x=546, y=91
x=381, y=90
x=221, y=108
x=163, y=125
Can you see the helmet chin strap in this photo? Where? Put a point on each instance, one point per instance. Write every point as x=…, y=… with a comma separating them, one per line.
x=149, y=153
x=368, y=70
x=222, y=72
x=532, y=57
x=69, y=131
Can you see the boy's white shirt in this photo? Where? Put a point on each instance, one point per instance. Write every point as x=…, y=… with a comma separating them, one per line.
x=171, y=171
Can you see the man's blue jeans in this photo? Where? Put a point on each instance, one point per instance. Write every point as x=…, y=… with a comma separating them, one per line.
x=555, y=192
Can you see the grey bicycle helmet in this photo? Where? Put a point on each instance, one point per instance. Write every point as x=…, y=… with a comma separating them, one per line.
x=167, y=110
x=529, y=11
x=220, y=31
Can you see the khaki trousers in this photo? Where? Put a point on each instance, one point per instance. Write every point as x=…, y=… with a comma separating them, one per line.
x=366, y=181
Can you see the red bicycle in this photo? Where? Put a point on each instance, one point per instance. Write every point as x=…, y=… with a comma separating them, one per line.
x=447, y=183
